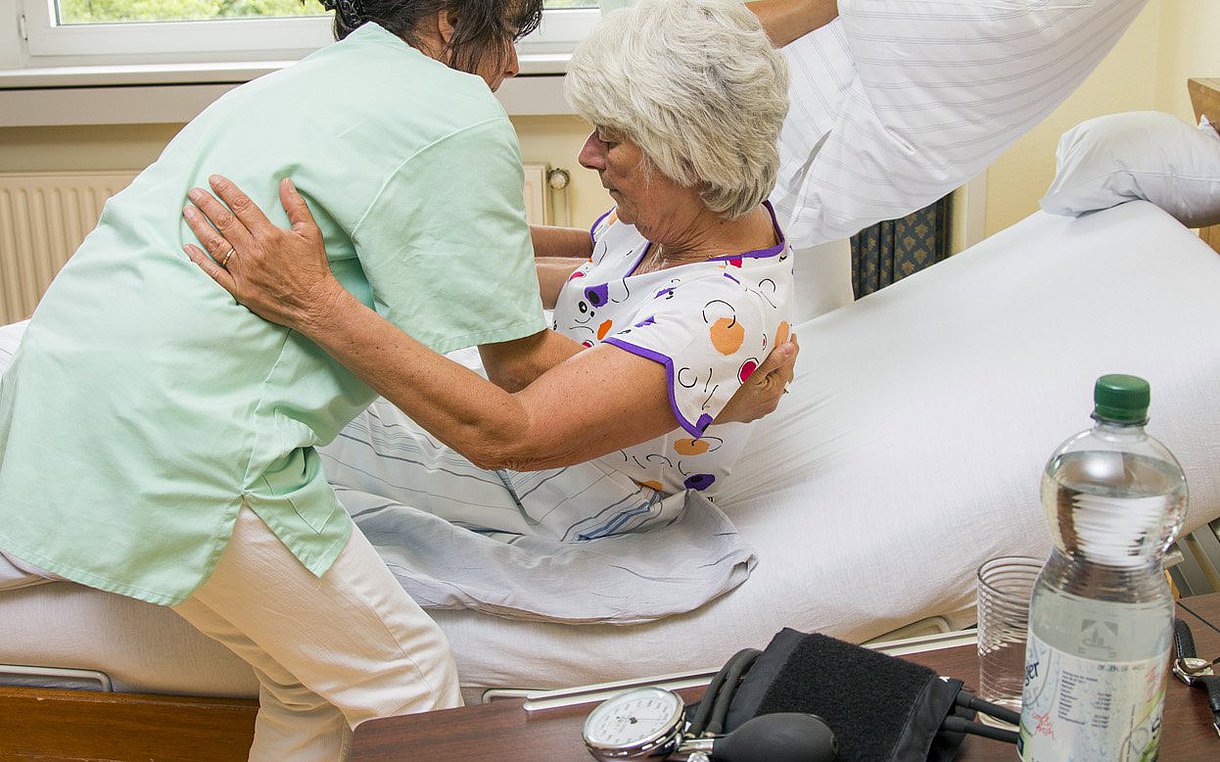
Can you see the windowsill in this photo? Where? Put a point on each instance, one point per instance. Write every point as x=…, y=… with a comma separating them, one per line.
x=160, y=93
x=229, y=72
x=58, y=77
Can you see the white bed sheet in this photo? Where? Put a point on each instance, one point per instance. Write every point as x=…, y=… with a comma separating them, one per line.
x=909, y=451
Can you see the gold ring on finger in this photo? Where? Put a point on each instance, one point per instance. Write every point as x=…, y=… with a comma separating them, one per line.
x=229, y=255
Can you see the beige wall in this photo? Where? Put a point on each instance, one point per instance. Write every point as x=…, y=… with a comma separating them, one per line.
x=557, y=140
x=1189, y=47
x=548, y=140
x=67, y=149
x=1170, y=41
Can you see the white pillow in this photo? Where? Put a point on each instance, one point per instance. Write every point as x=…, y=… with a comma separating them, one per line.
x=1138, y=155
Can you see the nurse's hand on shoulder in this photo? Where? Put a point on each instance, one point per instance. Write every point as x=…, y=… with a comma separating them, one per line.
x=280, y=275
x=760, y=394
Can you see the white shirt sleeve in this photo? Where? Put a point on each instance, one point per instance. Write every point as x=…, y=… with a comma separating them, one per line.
x=898, y=102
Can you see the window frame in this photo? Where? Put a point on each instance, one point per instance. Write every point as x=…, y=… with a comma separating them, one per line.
x=225, y=41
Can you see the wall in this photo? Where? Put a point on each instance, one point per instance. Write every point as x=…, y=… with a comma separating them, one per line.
x=101, y=147
x=557, y=140
x=554, y=140
x=1189, y=47
x=1169, y=42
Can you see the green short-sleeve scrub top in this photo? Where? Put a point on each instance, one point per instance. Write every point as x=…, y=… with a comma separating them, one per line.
x=144, y=404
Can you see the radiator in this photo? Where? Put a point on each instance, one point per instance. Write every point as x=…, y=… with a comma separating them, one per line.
x=44, y=216
x=537, y=208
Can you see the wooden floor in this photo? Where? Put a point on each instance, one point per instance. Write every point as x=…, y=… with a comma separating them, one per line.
x=37, y=723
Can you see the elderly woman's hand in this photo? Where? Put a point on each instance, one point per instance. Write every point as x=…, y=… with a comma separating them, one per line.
x=761, y=393
x=281, y=275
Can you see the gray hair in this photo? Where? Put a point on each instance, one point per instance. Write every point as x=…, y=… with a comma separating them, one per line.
x=697, y=85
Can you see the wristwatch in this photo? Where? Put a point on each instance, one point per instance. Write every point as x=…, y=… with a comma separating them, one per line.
x=1196, y=672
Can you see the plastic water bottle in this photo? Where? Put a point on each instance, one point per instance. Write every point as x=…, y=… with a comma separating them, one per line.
x=1101, y=615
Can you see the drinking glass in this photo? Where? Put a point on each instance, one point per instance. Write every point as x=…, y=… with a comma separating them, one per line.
x=1004, y=588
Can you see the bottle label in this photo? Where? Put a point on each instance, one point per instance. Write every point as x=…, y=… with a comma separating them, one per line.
x=1083, y=709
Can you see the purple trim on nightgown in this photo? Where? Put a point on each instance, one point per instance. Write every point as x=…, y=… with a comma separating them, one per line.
x=643, y=253
x=694, y=429
x=598, y=221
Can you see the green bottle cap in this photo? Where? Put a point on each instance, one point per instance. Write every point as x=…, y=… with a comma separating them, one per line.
x=1121, y=398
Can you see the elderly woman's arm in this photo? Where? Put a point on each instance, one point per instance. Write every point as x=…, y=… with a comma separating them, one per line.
x=788, y=20
x=550, y=241
x=553, y=272
x=558, y=252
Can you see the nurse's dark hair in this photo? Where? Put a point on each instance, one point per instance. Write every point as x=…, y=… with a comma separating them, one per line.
x=480, y=26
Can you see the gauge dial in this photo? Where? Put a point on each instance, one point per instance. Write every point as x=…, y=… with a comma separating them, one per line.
x=639, y=720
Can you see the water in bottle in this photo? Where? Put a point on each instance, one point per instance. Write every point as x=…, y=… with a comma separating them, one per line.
x=1101, y=613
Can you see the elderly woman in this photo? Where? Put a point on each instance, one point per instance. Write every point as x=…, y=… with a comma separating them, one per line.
x=681, y=291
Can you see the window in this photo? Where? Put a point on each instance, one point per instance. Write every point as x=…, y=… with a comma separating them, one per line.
x=118, y=32
x=70, y=12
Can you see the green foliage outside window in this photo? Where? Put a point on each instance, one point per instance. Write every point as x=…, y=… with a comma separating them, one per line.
x=103, y=11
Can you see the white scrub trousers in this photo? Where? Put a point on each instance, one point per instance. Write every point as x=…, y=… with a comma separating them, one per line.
x=330, y=652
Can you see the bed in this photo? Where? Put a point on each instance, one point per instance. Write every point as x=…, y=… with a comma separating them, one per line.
x=909, y=451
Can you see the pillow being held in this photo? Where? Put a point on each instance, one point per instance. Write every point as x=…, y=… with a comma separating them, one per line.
x=1146, y=155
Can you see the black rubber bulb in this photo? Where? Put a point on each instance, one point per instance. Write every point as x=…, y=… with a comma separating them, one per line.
x=779, y=737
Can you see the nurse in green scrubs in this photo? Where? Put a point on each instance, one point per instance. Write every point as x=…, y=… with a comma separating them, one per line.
x=156, y=438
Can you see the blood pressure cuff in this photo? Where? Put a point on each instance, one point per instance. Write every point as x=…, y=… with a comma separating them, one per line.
x=879, y=707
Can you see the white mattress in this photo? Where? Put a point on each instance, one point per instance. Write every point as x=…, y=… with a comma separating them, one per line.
x=909, y=451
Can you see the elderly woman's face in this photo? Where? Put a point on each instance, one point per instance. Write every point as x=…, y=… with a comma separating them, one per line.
x=624, y=171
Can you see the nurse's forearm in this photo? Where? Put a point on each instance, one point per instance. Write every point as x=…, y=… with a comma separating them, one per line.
x=450, y=401
x=568, y=416
x=788, y=20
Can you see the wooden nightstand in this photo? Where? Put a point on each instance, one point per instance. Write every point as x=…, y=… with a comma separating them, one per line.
x=506, y=732
x=1205, y=97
